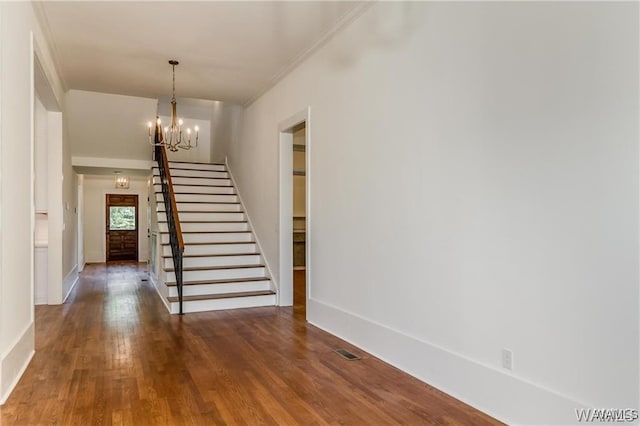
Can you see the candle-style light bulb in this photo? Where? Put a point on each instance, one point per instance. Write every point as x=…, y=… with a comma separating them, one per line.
x=180, y=122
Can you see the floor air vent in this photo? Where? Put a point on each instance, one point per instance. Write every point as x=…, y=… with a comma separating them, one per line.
x=347, y=355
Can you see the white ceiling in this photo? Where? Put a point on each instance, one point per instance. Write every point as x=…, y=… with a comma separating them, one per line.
x=228, y=51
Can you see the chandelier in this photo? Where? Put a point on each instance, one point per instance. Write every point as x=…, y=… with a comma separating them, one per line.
x=122, y=182
x=173, y=136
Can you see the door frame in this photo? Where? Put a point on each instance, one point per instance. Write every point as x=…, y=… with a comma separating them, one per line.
x=107, y=220
x=285, y=210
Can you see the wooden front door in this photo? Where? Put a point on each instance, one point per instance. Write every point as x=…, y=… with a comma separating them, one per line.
x=122, y=227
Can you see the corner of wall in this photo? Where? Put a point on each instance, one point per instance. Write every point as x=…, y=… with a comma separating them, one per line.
x=274, y=283
x=15, y=361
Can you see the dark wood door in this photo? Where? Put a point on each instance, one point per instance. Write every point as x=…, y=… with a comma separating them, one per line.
x=122, y=227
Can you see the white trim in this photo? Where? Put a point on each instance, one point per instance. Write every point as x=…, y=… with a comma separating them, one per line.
x=32, y=174
x=25, y=340
x=117, y=163
x=638, y=235
x=41, y=17
x=508, y=398
x=274, y=284
x=155, y=285
x=70, y=282
x=1, y=177
x=343, y=22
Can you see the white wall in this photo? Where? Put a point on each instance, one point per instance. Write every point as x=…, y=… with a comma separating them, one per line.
x=80, y=222
x=202, y=153
x=223, y=122
x=102, y=125
x=69, y=215
x=95, y=190
x=56, y=209
x=17, y=24
x=474, y=187
x=226, y=121
x=40, y=156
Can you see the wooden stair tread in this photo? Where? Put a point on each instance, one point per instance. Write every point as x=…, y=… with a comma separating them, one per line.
x=222, y=296
x=198, y=193
x=213, y=243
x=194, y=177
x=192, y=184
x=207, y=221
x=215, y=268
x=195, y=162
x=210, y=232
x=225, y=281
x=215, y=255
x=195, y=170
x=208, y=202
x=204, y=211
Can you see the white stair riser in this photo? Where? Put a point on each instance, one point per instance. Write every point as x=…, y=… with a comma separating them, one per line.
x=195, y=262
x=223, y=237
x=213, y=249
x=220, y=304
x=202, y=289
x=194, y=181
x=213, y=167
x=209, y=198
x=199, y=189
x=193, y=173
x=204, y=207
x=205, y=216
x=218, y=274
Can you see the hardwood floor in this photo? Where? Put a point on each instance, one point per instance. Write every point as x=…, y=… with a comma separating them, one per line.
x=112, y=355
x=299, y=294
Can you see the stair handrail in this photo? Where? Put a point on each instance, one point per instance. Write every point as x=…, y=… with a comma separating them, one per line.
x=171, y=210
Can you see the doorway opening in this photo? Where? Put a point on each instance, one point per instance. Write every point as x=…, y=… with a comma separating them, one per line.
x=121, y=227
x=294, y=229
x=299, y=217
x=47, y=213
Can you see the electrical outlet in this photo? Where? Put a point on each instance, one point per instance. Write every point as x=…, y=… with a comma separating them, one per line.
x=507, y=359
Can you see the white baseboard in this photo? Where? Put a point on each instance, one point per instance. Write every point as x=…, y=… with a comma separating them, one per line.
x=503, y=396
x=69, y=282
x=81, y=267
x=15, y=361
x=156, y=283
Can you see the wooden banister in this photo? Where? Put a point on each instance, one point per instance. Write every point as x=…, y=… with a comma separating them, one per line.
x=172, y=200
x=171, y=210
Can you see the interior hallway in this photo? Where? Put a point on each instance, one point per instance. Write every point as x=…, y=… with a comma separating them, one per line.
x=113, y=355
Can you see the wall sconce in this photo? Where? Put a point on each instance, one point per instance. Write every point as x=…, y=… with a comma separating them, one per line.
x=122, y=182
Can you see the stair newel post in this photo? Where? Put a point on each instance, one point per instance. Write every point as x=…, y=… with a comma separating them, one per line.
x=173, y=221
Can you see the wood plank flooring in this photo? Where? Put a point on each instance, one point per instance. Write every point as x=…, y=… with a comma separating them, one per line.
x=112, y=355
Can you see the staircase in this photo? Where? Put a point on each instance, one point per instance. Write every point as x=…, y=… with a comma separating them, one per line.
x=222, y=266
